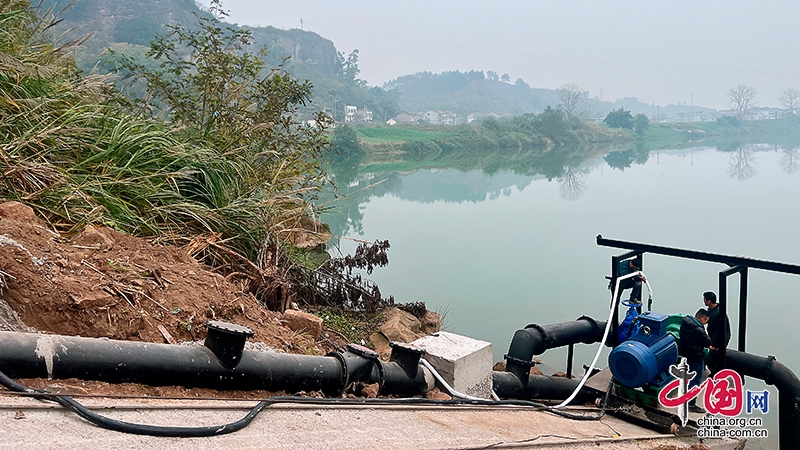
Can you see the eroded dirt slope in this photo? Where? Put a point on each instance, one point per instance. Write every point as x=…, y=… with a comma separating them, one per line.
x=103, y=283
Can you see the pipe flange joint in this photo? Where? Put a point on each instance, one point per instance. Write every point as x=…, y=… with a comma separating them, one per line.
x=344, y=377
x=407, y=356
x=362, y=351
x=598, y=331
x=229, y=328
x=226, y=341
x=768, y=369
x=521, y=362
x=546, y=338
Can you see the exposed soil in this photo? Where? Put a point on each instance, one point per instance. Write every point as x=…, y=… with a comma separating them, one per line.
x=102, y=283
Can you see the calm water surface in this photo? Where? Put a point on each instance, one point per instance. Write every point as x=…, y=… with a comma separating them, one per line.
x=497, y=252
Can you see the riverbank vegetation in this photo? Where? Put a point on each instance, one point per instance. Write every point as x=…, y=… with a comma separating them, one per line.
x=723, y=133
x=546, y=144
x=532, y=144
x=406, y=147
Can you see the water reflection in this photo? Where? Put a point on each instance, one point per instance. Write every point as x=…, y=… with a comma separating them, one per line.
x=572, y=184
x=638, y=154
x=492, y=174
x=741, y=164
x=789, y=162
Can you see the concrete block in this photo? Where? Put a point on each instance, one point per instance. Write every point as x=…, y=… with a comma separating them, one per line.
x=465, y=363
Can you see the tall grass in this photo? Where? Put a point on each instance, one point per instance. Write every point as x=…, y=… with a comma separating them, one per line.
x=77, y=152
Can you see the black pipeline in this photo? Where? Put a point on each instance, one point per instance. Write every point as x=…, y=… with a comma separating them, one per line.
x=775, y=373
x=539, y=387
x=536, y=339
x=222, y=364
x=516, y=381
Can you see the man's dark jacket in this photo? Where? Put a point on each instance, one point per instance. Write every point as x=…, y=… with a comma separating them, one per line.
x=693, y=339
x=720, y=335
x=625, y=268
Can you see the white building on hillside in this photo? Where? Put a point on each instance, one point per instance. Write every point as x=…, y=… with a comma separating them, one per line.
x=435, y=117
x=350, y=113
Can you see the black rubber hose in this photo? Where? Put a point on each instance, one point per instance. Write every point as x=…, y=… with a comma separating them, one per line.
x=135, y=428
x=426, y=401
x=162, y=431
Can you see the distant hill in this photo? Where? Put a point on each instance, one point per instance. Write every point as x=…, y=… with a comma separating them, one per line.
x=129, y=26
x=475, y=92
x=469, y=92
x=138, y=21
x=133, y=21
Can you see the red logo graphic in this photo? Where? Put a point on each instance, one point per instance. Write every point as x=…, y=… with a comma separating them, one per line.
x=723, y=393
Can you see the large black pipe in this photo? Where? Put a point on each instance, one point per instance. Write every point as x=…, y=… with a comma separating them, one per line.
x=775, y=373
x=30, y=355
x=536, y=339
x=538, y=387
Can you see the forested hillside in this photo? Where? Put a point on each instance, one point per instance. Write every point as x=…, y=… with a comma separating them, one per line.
x=469, y=92
x=128, y=27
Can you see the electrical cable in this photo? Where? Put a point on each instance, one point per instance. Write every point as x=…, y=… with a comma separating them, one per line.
x=605, y=336
x=497, y=400
x=165, y=431
x=135, y=428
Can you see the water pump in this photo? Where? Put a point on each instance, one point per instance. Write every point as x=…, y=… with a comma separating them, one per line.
x=646, y=356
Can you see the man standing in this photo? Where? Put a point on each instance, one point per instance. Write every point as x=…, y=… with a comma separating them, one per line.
x=633, y=283
x=718, y=329
x=693, y=340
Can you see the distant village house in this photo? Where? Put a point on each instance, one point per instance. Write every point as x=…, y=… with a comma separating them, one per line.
x=352, y=114
x=435, y=117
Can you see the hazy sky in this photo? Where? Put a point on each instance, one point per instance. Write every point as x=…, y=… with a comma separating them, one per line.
x=660, y=52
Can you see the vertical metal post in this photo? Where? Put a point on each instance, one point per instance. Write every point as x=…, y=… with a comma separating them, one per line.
x=611, y=341
x=742, y=308
x=723, y=305
x=613, y=337
x=642, y=287
x=723, y=311
x=570, y=354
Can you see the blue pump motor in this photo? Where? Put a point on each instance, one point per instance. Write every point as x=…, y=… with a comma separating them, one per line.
x=646, y=355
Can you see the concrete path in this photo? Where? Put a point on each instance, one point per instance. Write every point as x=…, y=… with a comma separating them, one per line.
x=28, y=423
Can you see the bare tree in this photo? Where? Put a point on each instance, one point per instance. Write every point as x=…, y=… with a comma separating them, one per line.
x=741, y=164
x=572, y=184
x=791, y=159
x=571, y=98
x=741, y=98
x=790, y=98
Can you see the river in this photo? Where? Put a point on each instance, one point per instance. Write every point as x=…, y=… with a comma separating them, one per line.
x=496, y=251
